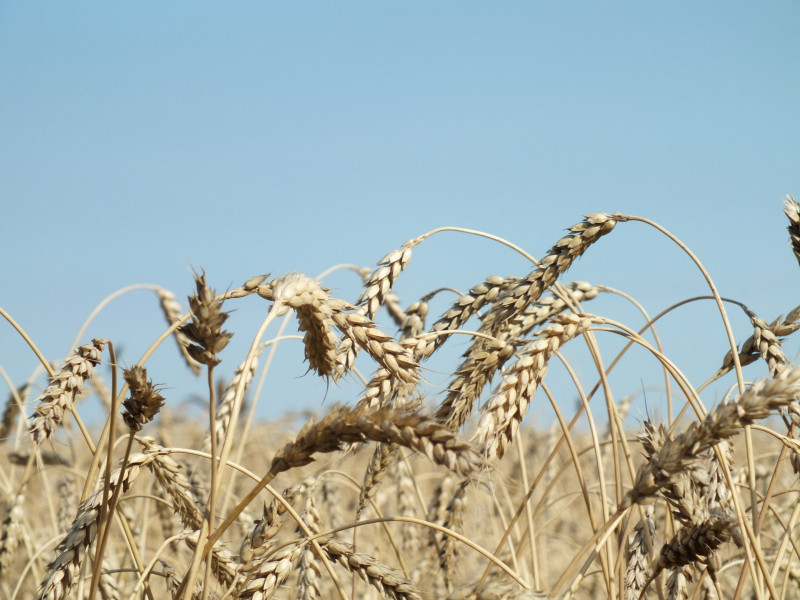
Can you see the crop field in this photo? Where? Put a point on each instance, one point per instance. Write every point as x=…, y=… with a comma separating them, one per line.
x=410, y=489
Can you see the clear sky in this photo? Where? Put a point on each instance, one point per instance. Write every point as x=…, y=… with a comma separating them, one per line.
x=142, y=139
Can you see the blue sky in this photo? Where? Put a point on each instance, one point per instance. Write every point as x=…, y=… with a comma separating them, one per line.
x=142, y=139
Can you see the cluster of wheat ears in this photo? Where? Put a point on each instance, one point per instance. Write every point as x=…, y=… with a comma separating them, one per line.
x=406, y=493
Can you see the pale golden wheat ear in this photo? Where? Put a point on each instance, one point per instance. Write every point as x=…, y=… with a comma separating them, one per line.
x=428, y=477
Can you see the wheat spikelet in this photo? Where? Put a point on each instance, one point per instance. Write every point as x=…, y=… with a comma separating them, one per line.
x=376, y=470
x=547, y=307
x=64, y=389
x=447, y=548
x=378, y=286
x=108, y=587
x=170, y=476
x=413, y=323
x=411, y=542
x=763, y=343
x=694, y=543
x=685, y=490
x=361, y=330
x=143, y=402
x=385, y=389
x=678, y=584
x=173, y=312
x=258, y=540
x=224, y=565
x=481, y=363
x=502, y=414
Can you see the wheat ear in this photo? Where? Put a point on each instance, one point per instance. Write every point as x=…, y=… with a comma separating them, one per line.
x=756, y=403
x=11, y=532
x=173, y=312
x=309, y=570
x=637, y=556
x=388, y=581
x=62, y=573
x=486, y=357
x=264, y=576
x=558, y=259
x=14, y=404
x=344, y=425
x=503, y=413
x=64, y=389
x=692, y=544
x=310, y=301
x=227, y=397
x=792, y=210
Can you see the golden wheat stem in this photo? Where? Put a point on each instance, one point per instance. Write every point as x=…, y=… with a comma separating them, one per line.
x=107, y=300
x=601, y=477
x=709, y=281
x=215, y=466
x=28, y=341
x=534, y=558
x=145, y=573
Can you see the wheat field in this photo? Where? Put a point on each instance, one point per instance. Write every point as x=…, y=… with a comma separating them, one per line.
x=409, y=490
